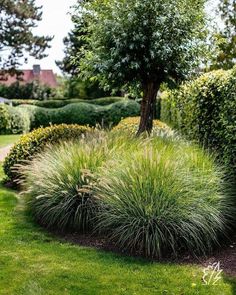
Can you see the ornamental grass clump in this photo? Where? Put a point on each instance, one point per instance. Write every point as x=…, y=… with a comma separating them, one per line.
x=59, y=181
x=59, y=184
x=164, y=199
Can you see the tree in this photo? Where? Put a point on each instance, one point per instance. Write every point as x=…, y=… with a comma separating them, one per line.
x=17, y=19
x=145, y=42
x=73, y=43
x=227, y=37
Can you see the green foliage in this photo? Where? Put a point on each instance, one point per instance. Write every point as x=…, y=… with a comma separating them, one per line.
x=27, y=91
x=17, y=20
x=34, y=142
x=58, y=103
x=163, y=198
x=82, y=113
x=141, y=41
x=13, y=120
x=226, y=38
x=4, y=119
x=205, y=110
x=19, y=121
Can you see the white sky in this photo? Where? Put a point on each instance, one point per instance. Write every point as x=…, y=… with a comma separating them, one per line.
x=56, y=22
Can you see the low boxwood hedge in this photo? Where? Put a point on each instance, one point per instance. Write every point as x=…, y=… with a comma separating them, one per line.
x=32, y=143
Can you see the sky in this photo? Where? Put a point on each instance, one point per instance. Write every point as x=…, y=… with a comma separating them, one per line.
x=56, y=22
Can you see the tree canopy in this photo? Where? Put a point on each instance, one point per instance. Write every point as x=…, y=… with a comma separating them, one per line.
x=227, y=45
x=17, y=19
x=142, y=41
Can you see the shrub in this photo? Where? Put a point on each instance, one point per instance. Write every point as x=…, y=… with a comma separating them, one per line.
x=205, y=110
x=131, y=124
x=19, y=121
x=4, y=119
x=82, y=113
x=163, y=199
x=58, y=103
x=32, y=143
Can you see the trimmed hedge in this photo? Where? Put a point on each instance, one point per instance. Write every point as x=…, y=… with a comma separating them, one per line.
x=82, y=114
x=58, y=103
x=32, y=143
x=205, y=110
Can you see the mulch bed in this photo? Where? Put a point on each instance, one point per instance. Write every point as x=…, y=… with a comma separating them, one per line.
x=226, y=256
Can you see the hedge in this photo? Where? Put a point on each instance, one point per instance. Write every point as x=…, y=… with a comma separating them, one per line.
x=205, y=110
x=32, y=143
x=58, y=103
x=82, y=114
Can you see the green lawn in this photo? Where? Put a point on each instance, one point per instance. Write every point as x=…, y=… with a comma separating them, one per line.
x=5, y=140
x=34, y=262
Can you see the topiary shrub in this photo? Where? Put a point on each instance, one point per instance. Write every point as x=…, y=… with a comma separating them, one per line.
x=131, y=124
x=162, y=199
x=32, y=143
x=205, y=110
x=4, y=119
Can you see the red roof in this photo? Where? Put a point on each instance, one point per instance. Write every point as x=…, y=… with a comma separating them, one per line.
x=44, y=77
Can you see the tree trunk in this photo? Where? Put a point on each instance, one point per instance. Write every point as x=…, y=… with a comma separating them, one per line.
x=148, y=107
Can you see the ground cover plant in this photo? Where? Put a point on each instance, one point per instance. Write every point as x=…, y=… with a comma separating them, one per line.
x=154, y=196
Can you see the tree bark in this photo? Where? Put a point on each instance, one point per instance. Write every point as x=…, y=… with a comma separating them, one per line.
x=148, y=107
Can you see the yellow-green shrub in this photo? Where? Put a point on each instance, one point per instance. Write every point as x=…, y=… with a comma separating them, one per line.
x=32, y=143
x=131, y=124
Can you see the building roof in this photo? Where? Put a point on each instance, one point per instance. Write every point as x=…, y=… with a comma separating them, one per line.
x=44, y=77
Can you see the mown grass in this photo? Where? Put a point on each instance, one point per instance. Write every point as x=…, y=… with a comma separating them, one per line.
x=5, y=140
x=34, y=262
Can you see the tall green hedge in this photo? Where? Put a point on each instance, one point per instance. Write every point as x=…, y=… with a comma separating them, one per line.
x=205, y=110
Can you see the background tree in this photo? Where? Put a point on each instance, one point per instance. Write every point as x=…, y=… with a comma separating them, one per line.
x=226, y=58
x=142, y=41
x=17, y=19
x=75, y=43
